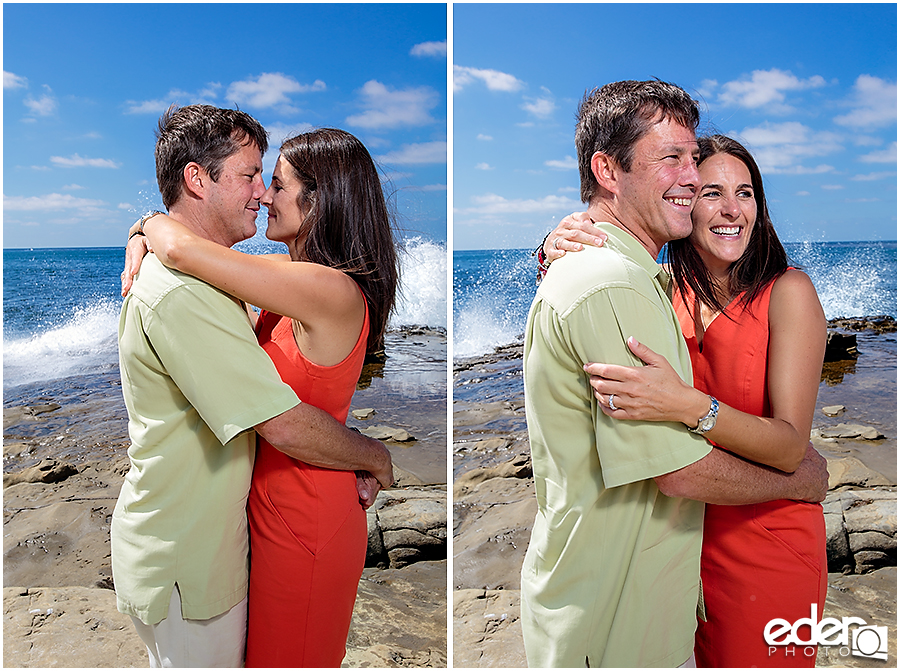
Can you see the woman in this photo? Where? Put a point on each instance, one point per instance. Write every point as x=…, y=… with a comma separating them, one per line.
x=756, y=334
x=308, y=533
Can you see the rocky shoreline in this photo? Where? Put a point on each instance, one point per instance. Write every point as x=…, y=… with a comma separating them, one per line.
x=494, y=506
x=64, y=459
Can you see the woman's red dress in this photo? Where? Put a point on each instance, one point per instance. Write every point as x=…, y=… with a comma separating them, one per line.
x=763, y=561
x=307, y=528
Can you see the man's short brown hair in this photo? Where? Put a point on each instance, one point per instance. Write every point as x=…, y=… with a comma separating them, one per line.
x=201, y=134
x=613, y=118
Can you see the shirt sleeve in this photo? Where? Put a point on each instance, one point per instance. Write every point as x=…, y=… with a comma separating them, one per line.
x=204, y=339
x=598, y=328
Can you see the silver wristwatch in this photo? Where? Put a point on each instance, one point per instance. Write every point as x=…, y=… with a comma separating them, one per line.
x=709, y=420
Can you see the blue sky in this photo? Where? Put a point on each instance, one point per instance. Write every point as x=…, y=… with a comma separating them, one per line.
x=811, y=89
x=84, y=85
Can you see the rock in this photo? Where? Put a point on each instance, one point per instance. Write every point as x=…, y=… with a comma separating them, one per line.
x=833, y=410
x=840, y=346
x=68, y=626
x=48, y=471
x=493, y=527
x=872, y=541
x=837, y=544
x=363, y=413
x=871, y=597
x=41, y=408
x=870, y=510
x=869, y=560
x=407, y=526
x=518, y=467
x=400, y=618
x=861, y=530
x=487, y=632
x=380, y=432
x=850, y=471
x=851, y=431
x=877, y=323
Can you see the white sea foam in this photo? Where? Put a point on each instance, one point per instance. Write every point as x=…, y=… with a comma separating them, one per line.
x=83, y=343
x=422, y=300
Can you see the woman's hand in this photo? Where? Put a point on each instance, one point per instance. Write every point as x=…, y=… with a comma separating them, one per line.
x=135, y=250
x=573, y=232
x=654, y=392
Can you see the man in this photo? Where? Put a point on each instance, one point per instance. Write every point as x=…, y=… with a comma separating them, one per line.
x=611, y=576
x=196, y=384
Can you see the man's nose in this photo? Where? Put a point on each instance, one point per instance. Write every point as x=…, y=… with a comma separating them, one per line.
x=259, y=187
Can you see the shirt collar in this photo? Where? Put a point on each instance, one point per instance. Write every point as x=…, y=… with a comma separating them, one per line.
x=629, y=245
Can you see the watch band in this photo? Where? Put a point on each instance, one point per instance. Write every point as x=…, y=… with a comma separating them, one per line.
x=708, y=421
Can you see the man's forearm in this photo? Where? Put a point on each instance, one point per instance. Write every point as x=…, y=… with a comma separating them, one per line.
x=725, y=479
x=312, y=435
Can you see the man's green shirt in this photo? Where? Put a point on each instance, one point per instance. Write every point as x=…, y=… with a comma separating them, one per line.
x=612, y=572
x=195, y=383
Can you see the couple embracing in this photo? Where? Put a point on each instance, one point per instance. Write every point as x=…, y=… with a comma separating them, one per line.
x=204, y=377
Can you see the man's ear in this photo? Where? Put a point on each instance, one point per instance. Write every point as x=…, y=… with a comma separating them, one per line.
x=606, y=171
x=195, y=179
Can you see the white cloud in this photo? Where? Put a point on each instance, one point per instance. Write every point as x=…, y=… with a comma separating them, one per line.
x=539, y=107
x=11, y=81
x=492, y=203
x=77, y=161
x=205, y=96
x=493, y=79
x=270, y=89
x=886, y=155
x=802, y=193
x=43, y=106
x=483, y=166
x=568, y=163
x=433, y=49
x=873, y=176
x=832, y=187
x=73, y=187
x=707, y=87
x=279, y=132
x=124, y=206
x=873, y=104
x=782, y=147
x=484, y=138
x=765, y=88
x=427, y=188
x=423, y=152
x=52, y=201
x=390, y=108
x=147, y=106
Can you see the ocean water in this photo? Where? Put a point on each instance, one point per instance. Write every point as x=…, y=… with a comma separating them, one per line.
x=61, y=306
x=493, y=289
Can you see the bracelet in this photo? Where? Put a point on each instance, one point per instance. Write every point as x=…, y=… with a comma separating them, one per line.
x=137, y=232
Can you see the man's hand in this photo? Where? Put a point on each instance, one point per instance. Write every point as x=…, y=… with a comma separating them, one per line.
x=573, y=232
x=812, y=476
x=310, y=434
x=368, y=487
